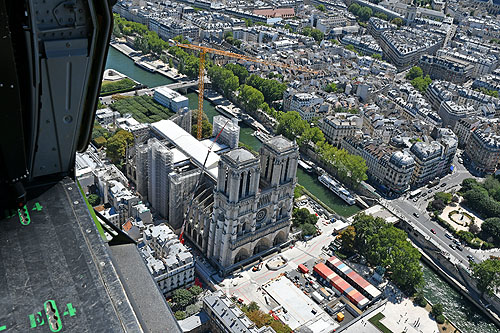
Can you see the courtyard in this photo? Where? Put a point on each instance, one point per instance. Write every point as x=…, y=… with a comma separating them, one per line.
x=459, y=217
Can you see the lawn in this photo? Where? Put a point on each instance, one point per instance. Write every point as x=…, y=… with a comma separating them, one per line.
x=108, y=87
x=143, y=108
x=375, y=320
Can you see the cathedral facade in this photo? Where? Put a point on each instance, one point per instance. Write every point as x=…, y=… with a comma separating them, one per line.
x=253, y=202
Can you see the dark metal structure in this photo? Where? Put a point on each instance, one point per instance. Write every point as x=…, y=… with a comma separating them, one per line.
x=58, y=272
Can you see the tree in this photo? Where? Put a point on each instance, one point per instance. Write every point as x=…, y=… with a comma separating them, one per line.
x=248, y=22
x=414, y=72
x=382, y=244
x=238, y=70
x=279, y=327
x=195, y=290
x=250, y=97
x=298, y=191
x=354, y=8
x=206, y=126
x=437, y=205
x=381, y=16
x=259, y=318
x=437, y=309
x=469, y=184
x=99, y=142
x=332, y=87
x=487, y=274
x=491, y=228
x=321, y=7
x=307, y=229
x=250, y=307
x=351, y=47
x=421, y=84
x=314, y=33
x=420, y=299
x=397, y=21
x=445, y=197
x=191, y=310
x=291, y=125
x=348, y=239
x=473, y=228
x=317, y=35
x=376, y=56
x=350, y=168
x=272, y=90
x=440, y=319
x=365, y=13
x=180, y=315
x=117, y=31
x=491, y=184
x=99, y=131
x=117, y=144
x=311, y=134
x=302, y=216
x=182, y=297
x=94, y=200
x=405, y=265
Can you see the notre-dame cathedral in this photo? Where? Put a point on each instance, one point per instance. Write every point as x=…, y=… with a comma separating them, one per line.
x=253, y=202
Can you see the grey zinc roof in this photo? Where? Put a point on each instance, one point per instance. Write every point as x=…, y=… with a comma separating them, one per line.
x=193, y=322
x=280, y=142
x=240, y=155
x=400, y=159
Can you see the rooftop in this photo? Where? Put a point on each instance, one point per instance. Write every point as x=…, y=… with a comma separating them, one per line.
x=240, y=155
x=188, y=145
x=280, y=143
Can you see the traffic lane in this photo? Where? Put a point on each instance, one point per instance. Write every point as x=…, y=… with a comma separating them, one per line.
x=426, y=224
x=432, y=224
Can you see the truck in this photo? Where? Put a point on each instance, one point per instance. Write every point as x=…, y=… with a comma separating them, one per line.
x=433, y=183
x=414, y=194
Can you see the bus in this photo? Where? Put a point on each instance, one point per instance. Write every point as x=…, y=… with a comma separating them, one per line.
x=416, y=193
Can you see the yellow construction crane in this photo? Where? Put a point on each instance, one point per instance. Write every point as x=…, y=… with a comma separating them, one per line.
x=204, y=50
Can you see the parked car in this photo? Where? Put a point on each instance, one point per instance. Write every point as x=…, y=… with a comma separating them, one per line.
x=448, y=236
x=417, y=215
x=443, y=184
x=433, y=231
x=459, y=248
x=452, y=246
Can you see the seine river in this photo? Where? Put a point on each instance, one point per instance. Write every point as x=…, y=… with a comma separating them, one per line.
x=121, y=63
x=460, y=311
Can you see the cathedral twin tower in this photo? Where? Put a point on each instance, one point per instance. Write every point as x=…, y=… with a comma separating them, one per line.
x=253, y=202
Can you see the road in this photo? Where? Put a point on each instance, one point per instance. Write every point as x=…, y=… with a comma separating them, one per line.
x=407, y=208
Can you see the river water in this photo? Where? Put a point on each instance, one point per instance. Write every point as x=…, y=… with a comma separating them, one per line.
x=460, y=311
x=456, y=307
x=123, y=64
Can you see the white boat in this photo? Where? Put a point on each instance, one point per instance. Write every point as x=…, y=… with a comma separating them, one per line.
x=306, y=166
x=144, y=66
x=227, y=112
x=337, y=188
x=261, y=136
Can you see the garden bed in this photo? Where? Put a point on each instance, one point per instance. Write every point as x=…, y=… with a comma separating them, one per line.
x=142, y=108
